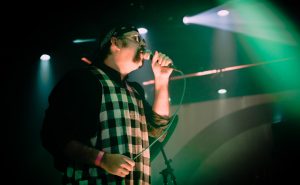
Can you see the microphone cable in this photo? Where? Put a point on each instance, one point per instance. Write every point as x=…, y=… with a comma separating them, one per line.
x=171, y=120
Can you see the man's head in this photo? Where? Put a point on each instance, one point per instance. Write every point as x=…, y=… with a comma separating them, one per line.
x=124, y=40
x=126, y=32
x=120, y=32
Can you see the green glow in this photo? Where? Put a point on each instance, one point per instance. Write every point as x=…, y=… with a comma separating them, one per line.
x=274, y=40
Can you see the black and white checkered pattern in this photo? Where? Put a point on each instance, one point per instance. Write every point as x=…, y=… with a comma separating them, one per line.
x=123, y=130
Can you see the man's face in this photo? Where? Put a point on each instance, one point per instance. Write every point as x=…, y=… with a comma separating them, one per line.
x=133, y=42
x=134, y=37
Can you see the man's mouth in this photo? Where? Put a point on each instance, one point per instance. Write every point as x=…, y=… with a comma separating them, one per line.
x=139, y=55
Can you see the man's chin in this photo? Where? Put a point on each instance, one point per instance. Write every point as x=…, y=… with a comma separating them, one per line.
x=139, y=63
x=142, y=62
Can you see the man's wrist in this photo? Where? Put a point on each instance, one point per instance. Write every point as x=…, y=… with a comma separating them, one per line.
x=99, y=158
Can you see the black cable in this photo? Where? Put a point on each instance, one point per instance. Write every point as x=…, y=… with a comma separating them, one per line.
x=171, y=120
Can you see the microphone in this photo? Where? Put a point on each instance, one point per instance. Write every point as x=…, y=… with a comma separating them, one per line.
x=148, y=55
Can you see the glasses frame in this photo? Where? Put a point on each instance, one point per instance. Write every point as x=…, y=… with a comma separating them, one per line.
x=136, y=38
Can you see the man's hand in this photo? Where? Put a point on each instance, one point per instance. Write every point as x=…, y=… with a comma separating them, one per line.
x=117, y=164
x=160, y=63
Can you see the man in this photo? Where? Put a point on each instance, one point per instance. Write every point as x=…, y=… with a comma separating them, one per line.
x=97, y=125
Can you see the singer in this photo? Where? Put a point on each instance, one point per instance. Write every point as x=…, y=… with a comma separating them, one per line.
x=97, y=121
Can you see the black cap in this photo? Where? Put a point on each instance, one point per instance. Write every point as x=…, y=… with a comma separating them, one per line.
x=117, y=32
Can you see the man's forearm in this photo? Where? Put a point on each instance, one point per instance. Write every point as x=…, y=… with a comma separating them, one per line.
x=81, y=153
x=161, y=104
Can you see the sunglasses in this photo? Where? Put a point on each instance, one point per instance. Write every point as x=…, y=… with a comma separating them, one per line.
x=136, y=38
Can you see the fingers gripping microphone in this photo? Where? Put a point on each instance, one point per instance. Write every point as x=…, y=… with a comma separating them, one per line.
x=148, y=55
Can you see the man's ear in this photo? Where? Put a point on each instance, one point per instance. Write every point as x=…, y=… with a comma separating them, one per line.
x=115, y=42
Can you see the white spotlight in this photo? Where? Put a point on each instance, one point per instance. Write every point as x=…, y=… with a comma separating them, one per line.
x=222, y=91
x=45, y=57
x=223, y=13
x=185, y=20
x=142, y=31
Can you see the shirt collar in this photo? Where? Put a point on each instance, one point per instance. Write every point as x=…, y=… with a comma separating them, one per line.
x=113, y=74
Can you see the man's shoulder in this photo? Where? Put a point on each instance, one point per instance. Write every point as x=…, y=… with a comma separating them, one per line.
x=78, y=73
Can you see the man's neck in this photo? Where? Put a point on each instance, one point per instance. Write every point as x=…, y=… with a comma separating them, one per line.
x=112, y=64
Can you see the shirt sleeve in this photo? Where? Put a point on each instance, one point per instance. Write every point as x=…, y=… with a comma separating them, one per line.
x=72, y=113
x=156, y=123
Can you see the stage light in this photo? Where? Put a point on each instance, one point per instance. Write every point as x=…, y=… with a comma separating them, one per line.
x=78, y=41
x=185, y=20
x=45, y=57
x=223, y=13
x=222, y=91
x=142, y=31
